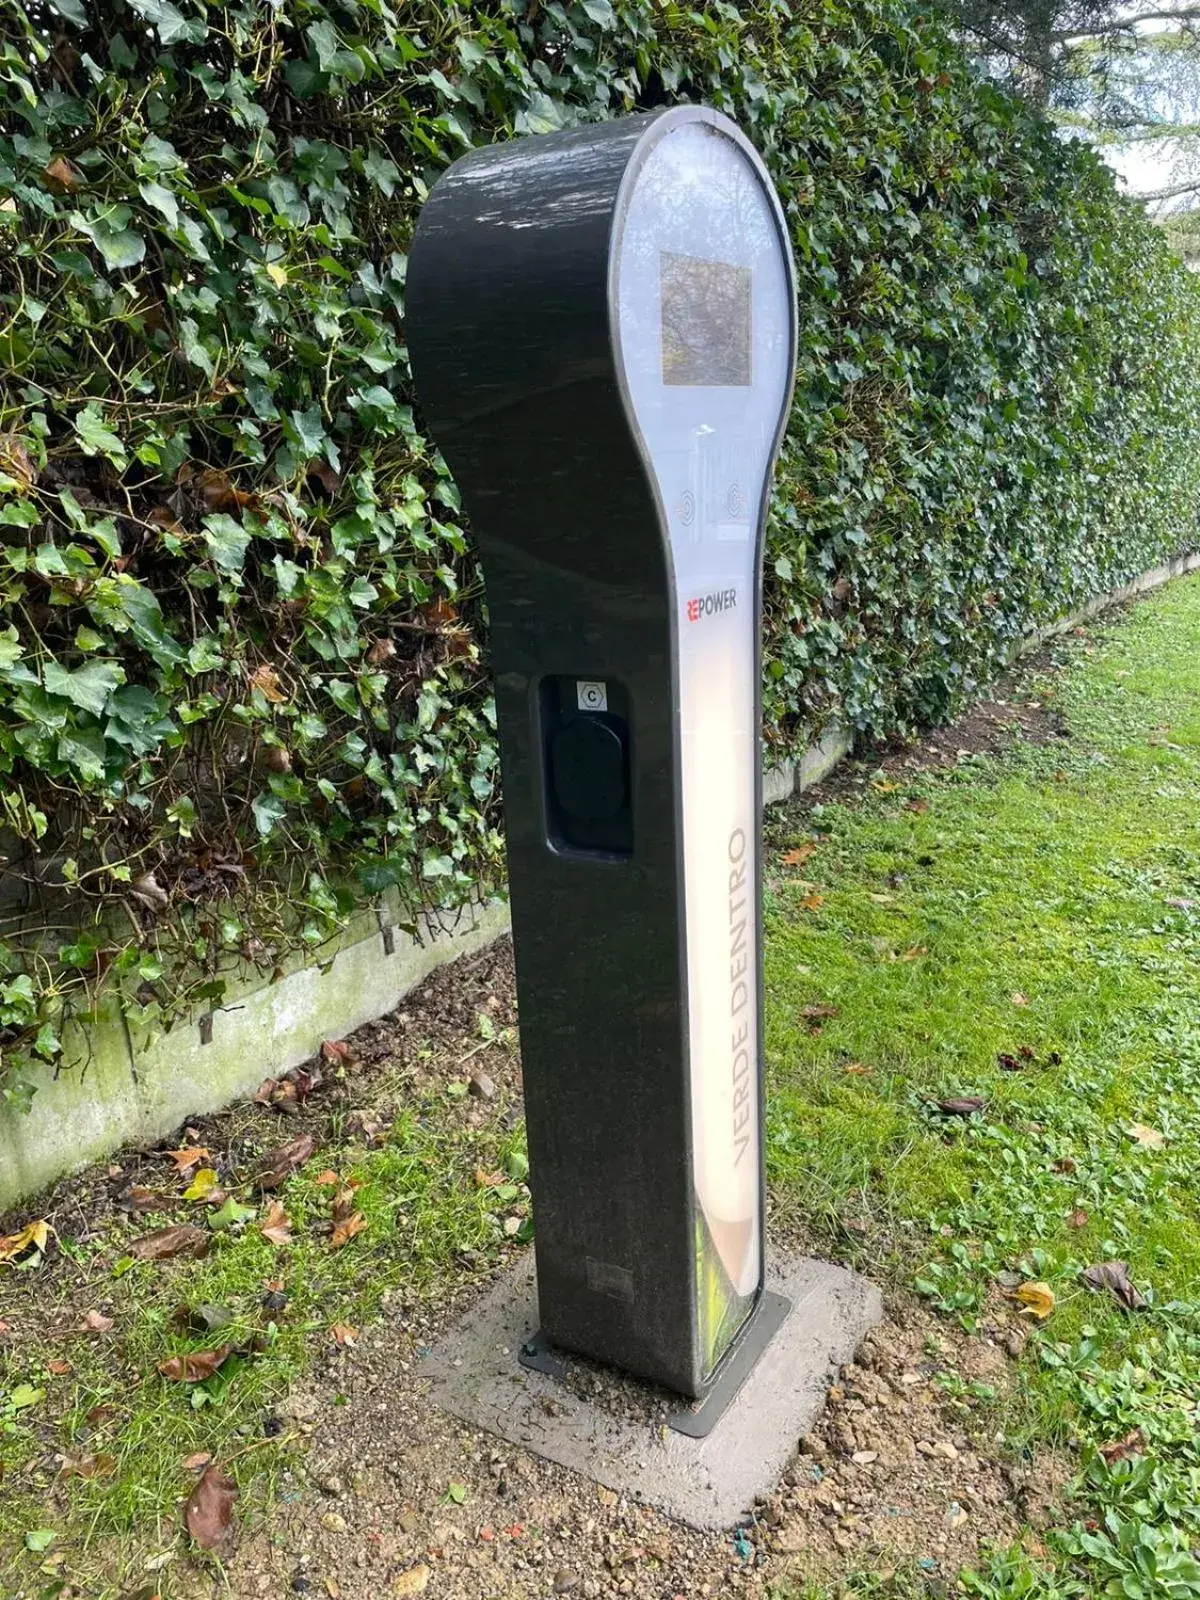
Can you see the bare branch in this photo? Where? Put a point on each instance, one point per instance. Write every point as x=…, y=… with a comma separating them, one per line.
x=1124, y=25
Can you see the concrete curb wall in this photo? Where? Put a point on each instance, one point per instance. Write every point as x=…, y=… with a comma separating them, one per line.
x=116, y=1089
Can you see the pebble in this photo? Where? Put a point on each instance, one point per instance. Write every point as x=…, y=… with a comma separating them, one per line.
x=334, y=1522
x=864, y=1458
x=481, y=1086
x=565, y=1581
x=945, y=1448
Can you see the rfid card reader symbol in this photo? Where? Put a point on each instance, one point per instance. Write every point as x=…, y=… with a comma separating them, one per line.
x=590, y=695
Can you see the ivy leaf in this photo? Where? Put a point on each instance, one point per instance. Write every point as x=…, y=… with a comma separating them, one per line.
x=96, y=437
x=308, y=430
x=88, y=687
x=10, y=647
x=108, y=230
x=268, y=809
x=227, y=541
x=163, y=201
x=601, y=12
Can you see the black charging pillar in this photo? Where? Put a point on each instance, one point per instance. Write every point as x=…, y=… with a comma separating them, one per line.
x=601, y=329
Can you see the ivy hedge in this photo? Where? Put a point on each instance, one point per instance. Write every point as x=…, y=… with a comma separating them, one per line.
x=243, y=679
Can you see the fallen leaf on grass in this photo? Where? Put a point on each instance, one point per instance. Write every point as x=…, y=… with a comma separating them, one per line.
x=278, y=1226
x=1132, y=1444
x=88, y=1466
x=1019, y=999
x=489, y=1180
x=857, y=1070
x=203, y=1318
x=966, y=1106
x=812, y=902
x=203, y=1186
x=913, y=953
x=29, y=1241
x=324, y=1179
x=39, y=1539
x=188, y=1157
x=164, y=1243
x=818, y=1014
x=919, y=806
x=1114, y=1276
x=208, y=1510
x=195, y=1367
x=414, y=1581
x=1150, y=1138
x=232, y=1213
x=59, y=1369
x=343, y=1335
x=1037, y=1298
x=193, y=1463
x=798, y=856
x=277, y=1165
x=1078, y=1219
x=345, y=1230
x=337, y=1053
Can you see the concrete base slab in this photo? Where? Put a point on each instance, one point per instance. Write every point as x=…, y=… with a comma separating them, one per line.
x=613, y=1430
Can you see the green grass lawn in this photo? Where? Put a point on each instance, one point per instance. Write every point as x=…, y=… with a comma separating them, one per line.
x=1043, y=904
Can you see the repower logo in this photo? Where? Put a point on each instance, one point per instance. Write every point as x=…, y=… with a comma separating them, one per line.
x=707, y=605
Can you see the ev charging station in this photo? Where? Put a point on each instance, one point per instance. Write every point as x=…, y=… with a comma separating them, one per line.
x=601, y=325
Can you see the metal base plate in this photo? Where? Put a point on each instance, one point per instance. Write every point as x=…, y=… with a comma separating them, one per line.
x=616, y=1434
x=698, y=1419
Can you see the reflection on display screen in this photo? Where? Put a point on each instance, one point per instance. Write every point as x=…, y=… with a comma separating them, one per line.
x=706, y=335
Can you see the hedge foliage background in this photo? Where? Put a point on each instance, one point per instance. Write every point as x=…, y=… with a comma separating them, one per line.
x=242, y=635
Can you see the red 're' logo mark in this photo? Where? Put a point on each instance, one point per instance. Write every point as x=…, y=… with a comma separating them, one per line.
x=693, y=610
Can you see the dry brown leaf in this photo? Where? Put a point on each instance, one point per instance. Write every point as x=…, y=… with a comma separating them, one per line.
x=798, y=856
x=281, y=1163
x=1078, y=1218
x=857, y=1070
x=196, y=1366
x=208, y=1510
x=343, y=1335
x=16, y=462
x=278, y=1225
x=164, y=1243
x=1149, y=1138
x=1019, y=999
x=966, y=1106
x=60, y=1369
x=193, y=1463
x=88, y=1466
x=266, y=680
x=323, y=1180
x=1037, y=1299
x=62, y=174
x=188, y=1157
x=337, y=1053
x=345, y=1230
x=1133, y=1444
x=1113, y=1276
x=812, y=902
x=488, y=1180
x=818, y=1013
x=97, y=1322
x=30, y=1240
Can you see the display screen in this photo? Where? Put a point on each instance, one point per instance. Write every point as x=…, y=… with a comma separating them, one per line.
x=706, y=334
